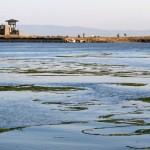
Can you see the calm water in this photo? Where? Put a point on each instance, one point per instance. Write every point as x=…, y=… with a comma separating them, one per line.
x=74, y=96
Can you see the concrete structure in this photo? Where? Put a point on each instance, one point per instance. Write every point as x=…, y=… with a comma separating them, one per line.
x=4, y=30
x=12, y=24
x=9, y=29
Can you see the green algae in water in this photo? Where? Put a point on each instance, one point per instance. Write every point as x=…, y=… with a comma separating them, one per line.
x=36, y=100
x=72, y=122
x=88, y=103
x=75, y=108
x=132, y=84
x=10, y=129
x=142, y=131
x=101, y=131
x=146, y=73
x=107, y=116
x=140, y=148
x=33, y=71
x=68, y=72
x=36, y=88
x=123, y=74
x=144, y=99
x=52, y=103
x=5, y=130
x=126, y=121
x=55, y=103
x=78, y=108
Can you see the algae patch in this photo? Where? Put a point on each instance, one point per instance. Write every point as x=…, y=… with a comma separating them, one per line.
x=67, y=72
x=55, y=103
x=107, y=116
x=144, y=99
x=138, y=148
x=10, y=129
x=74, y=109
x=78, y=108
x=131, y=84
x=34, y=88
x=101, y=131
x=143, y=131
x=126, y=121
x=36, y=100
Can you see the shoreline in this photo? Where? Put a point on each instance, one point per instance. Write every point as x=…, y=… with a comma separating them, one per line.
x=61, y=39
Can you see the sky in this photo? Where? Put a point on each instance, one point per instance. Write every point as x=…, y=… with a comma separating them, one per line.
x=101, y=14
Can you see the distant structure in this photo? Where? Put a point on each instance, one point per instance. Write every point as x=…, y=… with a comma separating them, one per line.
x=9, y=29
x=4, y=30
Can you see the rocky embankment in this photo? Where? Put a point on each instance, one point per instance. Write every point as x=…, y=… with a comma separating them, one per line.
x=32, y=39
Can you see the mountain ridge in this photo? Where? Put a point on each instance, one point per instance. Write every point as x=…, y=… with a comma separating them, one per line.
x=55, y=30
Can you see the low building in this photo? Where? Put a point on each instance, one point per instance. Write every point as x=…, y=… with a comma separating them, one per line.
x=9, y=29
x=4, y=30
x=12, y=23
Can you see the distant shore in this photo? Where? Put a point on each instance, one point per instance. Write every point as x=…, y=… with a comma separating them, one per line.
x=143, y=39
x=61, y=39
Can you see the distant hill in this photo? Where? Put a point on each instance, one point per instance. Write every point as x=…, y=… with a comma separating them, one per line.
x=52, y=30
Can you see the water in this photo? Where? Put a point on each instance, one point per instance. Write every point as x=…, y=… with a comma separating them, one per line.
x=74, y=96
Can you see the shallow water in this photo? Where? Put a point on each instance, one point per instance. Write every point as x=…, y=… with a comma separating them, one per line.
x=74, y=96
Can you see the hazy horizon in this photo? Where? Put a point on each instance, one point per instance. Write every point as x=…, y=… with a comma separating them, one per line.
x=78, y=26
x=99, y=14
x=52, y=30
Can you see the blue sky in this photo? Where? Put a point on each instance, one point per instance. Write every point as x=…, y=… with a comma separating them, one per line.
x=102, y=14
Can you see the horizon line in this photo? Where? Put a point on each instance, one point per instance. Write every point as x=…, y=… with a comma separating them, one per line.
x=76, y=26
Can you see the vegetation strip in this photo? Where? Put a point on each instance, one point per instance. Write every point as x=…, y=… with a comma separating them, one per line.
x=77, y=71
x=131, y=84
x=144, y=99
x=10, y=129
x=36, y=88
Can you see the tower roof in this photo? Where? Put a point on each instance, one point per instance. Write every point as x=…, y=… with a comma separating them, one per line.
x=11, y=20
